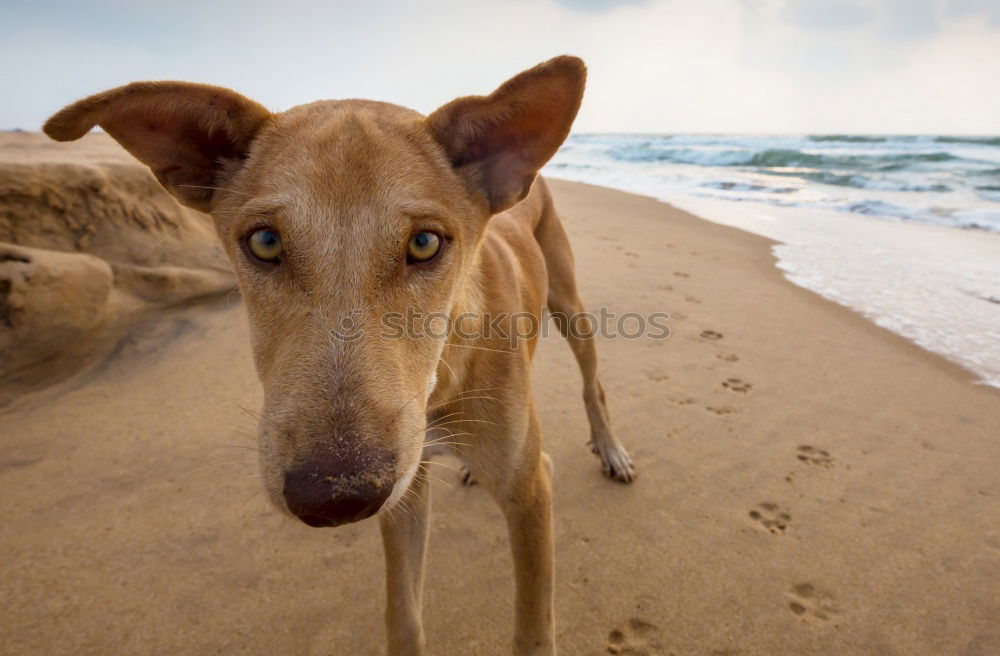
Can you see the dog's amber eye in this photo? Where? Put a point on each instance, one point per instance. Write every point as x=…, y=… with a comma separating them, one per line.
x=265, y=245
x=423, y=246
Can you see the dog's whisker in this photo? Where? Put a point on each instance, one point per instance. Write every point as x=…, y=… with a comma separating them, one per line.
x=395, y=510
x=456, y=378
x=463, y=399
x=433, y=426
x=253, y=413
x=438, y=479
x=435, y=423
x=256, y=512
x=448, y=438
x=248, y=499
x=247, y=455
x=224, y=463
x=477, y=421
x=237, y=446
x=259, y=416
x=222, y=500
x=471, y=391
x=216, y=189
x=454, y=375
x=248, y=461
x=448, y=443
x=400, y=411
x=440, y=464
x=476, y=390
x=432, y=434
x=243, y=431
x=482, y=348
x=403, y=505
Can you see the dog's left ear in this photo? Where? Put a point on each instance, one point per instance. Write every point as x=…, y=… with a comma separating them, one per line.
x=498, y=142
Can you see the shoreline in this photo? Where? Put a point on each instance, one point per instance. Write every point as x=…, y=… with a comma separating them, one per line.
x=858, y=319
x=808, y=483
x=745, y=217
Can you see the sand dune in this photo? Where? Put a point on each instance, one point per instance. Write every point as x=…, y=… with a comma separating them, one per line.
x=808, y=482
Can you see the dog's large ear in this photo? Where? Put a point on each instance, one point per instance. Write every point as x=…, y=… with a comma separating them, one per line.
x=500, y=141
x=190, y=135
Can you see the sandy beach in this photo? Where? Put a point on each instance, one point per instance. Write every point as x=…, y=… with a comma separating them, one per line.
x=808, y=483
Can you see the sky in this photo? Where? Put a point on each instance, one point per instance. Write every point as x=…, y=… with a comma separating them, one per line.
x=736, y=66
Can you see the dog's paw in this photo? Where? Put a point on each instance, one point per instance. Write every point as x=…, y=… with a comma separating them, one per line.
x=467, y=478
x=615, y=462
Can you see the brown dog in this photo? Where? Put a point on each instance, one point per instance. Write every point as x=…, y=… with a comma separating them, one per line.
x=349, y=223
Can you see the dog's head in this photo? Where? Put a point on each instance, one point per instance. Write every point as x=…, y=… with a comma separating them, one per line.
x=339, y=217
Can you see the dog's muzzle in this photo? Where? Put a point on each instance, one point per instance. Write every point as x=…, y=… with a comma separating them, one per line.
x=331, y=490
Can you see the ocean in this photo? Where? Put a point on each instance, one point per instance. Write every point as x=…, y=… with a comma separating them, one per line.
x=904, y=229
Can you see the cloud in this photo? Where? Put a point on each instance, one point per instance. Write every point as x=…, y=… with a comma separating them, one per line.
x=829, y=14
x=655, y=65
x=597, y=5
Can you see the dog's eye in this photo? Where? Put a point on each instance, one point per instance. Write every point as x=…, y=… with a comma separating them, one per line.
x=265, y=245
x=423, y=246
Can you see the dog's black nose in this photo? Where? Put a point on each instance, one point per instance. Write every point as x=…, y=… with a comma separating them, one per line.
x=329, y=492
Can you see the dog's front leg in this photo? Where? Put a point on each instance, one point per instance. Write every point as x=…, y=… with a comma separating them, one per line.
x=404, y=538
x=528, y=510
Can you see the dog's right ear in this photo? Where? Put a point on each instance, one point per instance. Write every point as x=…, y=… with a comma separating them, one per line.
x=191, y=135
x=497, y=143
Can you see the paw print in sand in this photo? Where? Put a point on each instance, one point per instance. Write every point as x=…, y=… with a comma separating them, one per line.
x=812, y=602
x=636, y=638
x=815, y=457
x=722, y=409
x=771, y=516
x=737, y=385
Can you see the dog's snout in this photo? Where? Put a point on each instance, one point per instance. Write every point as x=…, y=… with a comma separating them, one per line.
x=331, y=491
